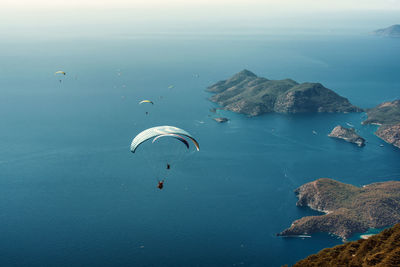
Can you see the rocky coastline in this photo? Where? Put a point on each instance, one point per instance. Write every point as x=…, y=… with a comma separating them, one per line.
x=348, y=135
x=348, y=209
x=387, y=116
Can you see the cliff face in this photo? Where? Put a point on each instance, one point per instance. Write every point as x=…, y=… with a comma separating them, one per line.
x=312, y=97
x=246, y=93
x=381, y=250
x=347, y=134
x=387, y=115
x=349, y=209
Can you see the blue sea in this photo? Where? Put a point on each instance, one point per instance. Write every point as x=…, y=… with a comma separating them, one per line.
x=72, y=193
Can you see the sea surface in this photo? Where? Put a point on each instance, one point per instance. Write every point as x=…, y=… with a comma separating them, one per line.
x=72, y=193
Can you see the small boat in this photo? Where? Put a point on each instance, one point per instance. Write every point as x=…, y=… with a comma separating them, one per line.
x=314, y=132
x=349, y=124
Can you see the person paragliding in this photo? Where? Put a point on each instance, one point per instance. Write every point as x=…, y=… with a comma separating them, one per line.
x=146, y=101
x=60, y=72
x=160, y=184
x=157, y=133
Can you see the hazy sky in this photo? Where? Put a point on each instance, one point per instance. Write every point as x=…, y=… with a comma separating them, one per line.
x=276, y=4
x=38, y=17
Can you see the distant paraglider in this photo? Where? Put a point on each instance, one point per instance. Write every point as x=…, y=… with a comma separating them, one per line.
x=59, y=73
x=146, y=101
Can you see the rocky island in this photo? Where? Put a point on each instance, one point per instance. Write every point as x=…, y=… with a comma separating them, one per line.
x=248, y=94
x=382, y=249
x=387, y=116
x=348, y=209
x=392, y=31
x=347, y=134
x=221, y=119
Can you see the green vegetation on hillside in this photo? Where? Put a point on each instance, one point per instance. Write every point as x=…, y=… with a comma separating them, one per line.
x=381, y=250
x=387, y=115
x=349, y=209
x=246, y=93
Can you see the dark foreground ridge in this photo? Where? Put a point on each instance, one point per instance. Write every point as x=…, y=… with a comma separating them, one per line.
x=387, y=115
x=381, y=250
x=392, y=31
x=248, y=94
x=347, y=134
x=349, y=209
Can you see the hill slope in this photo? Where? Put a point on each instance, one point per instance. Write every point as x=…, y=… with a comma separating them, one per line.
x=349, y=209
x=381, y=250
x=348, y=134
x=392, y=31
x=387, y=115
x=246, y=93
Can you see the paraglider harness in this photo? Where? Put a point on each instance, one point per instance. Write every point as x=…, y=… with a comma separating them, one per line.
x=160, y=184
